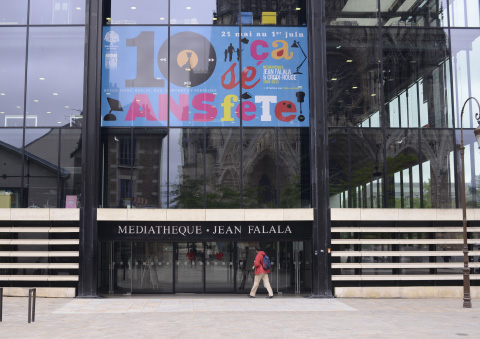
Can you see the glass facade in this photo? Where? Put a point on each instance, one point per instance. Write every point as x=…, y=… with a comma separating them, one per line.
x=221, y=105
x=398, y=75
x=41, y=102
x=229, y=113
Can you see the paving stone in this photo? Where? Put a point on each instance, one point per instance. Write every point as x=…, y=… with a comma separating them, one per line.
x=239, y=317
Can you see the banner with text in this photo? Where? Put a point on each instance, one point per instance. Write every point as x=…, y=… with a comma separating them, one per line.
x=205, y=76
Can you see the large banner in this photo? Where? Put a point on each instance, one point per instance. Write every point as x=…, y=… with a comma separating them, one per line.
x=205, y=76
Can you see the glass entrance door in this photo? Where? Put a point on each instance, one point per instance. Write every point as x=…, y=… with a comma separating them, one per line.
x=219, y=269
x=152, y=267
x=197, y=267
x=189, y=267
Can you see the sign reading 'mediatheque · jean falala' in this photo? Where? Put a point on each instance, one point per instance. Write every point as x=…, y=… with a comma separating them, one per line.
x=204, y=76
x=185, y=231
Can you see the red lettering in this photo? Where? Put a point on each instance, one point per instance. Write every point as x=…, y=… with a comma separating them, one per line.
x=285, y=107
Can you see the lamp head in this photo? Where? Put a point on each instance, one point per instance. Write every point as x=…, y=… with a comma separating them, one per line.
x=376, y=174
x=477, y=135
x=294, y=45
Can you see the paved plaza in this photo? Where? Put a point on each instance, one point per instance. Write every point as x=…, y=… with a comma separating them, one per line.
x=220, y=316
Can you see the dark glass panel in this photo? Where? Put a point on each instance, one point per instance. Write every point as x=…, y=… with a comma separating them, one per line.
x=417, y=77
x=41, y=192
x=464, y=13
x=150, y=168
x=280, y=13
x=472, y=167
x=189, y=269
x=206, y=12
x=339, y=176
x=42, y=146
x=12, y=76
x=152, y=269
x=13, y=12
x=465, y=56
x=10, y=167
x=57, y=12
x=403, y=177
x=222, y=177
x=438, y=168
x=259, y=168
x=55, y=75
x=186, y=168
x=135, y=12
x=353, y=77
x=367, y=168
x=117, y=171
x=294, y=167
x=413, y=13
x=71, y=163
x=351, y=12
x=219, y=271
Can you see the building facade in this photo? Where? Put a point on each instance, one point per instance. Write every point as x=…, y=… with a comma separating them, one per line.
x=149, y=146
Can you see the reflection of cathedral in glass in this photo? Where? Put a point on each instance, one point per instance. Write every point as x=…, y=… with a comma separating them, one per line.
x=268, y=168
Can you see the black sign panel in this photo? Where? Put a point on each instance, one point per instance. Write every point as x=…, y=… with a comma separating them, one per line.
x=204, y=231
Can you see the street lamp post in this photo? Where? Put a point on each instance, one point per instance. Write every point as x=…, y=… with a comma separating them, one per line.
x=466, y=271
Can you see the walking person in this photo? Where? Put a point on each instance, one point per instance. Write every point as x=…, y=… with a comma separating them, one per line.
x=261, y=273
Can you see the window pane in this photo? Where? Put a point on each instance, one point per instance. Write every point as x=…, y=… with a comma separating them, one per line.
x=352, y=12
x=275, y=77
x=13, y=12
x=437, y=149
x=222, y=177
x=403, y=177
x=12, y=76
x=187, y=12
x=187, y=161
x=117, y=170
x=134, y=12
x=134, y=86
x=416, y=71
x=464, y=13
x=367, y=168
x=354, y=82
x=294, y=167
x=55, y=75
x=472, y=168
x=465, y=54
x=71, y=164
x=10, y=167
x=339, y=176
x=41, y=192
x=260, y=181
x=150, y=169
x=280, y=13
x=42, y=146
x=204, y=83
x=412, y=13
x=57, y=12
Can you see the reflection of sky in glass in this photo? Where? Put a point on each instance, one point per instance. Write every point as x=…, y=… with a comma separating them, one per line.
x=13, y=12
x=465, y=53
x=12, y=75
x=137, y=12
x=186, y=12
x=57, y=12
x=464, y=13
x=55, y=75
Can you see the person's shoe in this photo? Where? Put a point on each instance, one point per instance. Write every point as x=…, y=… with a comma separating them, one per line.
x=250, y=296
x=270, y=297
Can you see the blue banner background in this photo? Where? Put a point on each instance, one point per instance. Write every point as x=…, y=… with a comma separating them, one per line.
x=267, y=57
